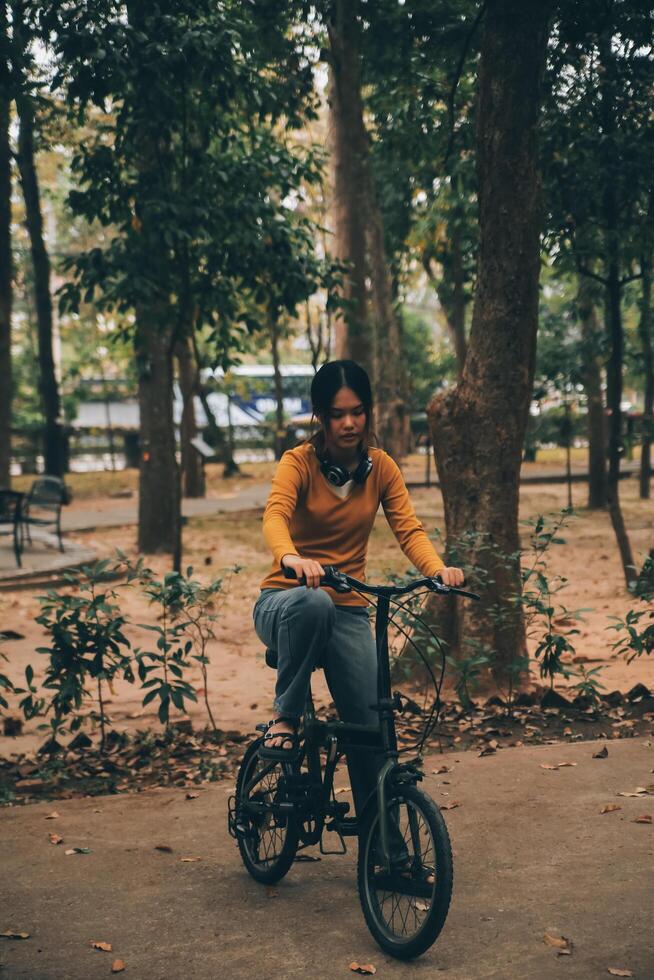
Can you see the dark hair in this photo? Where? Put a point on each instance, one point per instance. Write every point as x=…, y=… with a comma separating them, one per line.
x=329, y=380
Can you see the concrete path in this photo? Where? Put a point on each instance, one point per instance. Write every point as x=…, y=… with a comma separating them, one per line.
x=112, y=513
x=532, y=854
x=41, y=555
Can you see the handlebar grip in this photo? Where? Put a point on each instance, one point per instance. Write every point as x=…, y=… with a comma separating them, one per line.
x=289, y=572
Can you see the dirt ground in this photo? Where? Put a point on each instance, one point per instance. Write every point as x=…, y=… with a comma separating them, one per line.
x=534, y=854
x=240, y=686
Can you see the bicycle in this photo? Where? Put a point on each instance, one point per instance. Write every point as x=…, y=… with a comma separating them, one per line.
x=404, y=867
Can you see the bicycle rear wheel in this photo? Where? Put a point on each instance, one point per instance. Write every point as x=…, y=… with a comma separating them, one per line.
x=267, y=837
x=404, y=910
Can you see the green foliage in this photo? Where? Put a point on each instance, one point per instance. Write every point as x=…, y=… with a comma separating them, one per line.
x=637, y=628
x=467, y=671
x=431, y=366
x=589, y=686
x=191, y=163
x=87, y=641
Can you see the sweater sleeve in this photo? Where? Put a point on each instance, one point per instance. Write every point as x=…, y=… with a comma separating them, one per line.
x=288, y=482
x=404, y=523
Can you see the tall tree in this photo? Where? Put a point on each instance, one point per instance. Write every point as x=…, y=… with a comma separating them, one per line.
x=647, y=351
x=591, y=334
x=193, y=146
x=598, y=140
x=53, y=434
x=6, y=263
x=367, y=327
x=478, y=427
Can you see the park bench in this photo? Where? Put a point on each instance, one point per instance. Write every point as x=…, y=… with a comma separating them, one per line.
x=42, y=507
x=10, y=519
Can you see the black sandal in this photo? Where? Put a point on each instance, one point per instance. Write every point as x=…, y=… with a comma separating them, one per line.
x=284, y=752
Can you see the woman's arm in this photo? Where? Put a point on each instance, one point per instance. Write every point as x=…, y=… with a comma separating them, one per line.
x=287, y=485
x=407, y=528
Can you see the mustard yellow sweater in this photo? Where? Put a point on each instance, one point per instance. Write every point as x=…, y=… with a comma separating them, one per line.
x=305, y=517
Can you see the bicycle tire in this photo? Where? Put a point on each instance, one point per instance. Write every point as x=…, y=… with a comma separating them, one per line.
x=370, y=880
x=274, y=865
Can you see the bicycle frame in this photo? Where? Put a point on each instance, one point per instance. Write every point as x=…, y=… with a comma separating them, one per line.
x=336, y=735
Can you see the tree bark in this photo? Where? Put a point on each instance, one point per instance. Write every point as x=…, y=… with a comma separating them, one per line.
x=353, y=328
x=53, y=442
x=280, y=428
x=645, y=334
x=6, y=262
x=478, y=428
x=613, y=309
x=193, y=481
x=391, y=417
x=159, y=482
x=592, y=380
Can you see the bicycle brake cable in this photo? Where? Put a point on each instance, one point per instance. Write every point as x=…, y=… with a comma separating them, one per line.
x=431, y=722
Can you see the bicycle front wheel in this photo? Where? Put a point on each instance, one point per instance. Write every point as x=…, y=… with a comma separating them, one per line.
x=267, y=835
x=405, y=909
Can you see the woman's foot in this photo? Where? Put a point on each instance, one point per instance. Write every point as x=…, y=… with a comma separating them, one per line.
x=276, y=730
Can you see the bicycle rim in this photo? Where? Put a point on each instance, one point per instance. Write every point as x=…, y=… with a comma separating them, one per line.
x=267, y=840
x=404, y=911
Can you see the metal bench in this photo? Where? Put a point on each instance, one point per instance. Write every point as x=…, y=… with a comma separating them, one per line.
x=42, y=507
x=10, y=518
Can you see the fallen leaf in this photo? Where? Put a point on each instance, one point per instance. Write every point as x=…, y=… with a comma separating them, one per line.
x=636, y=794
x=547, y=765
x=441, y=769
x=166, y=848
x=558, y=942
x=449, y=806
x=117, y=966
x=342, y=789
x=488, y=750
x=78, y=850
x=271, y=892
x=617, y=972
x=610, y=807
x=55, y=838
x=306, y=857
x=367, y=968
x=52, y=816
x=190, y=860
x=192, y=796
x=562, y=765
x=643, y=818
x=14, y=935
x=601, y=753
x=105, y=947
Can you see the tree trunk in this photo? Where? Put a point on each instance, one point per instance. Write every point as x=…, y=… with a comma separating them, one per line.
x=613, y=310
x=280, y=428
x=354, y=334
x=159, y=483
x=592, y=379
x=391, y=417
x=53, y=443
x=6, y=263
x=193, y=482
x=645, y=334
x=478, y=428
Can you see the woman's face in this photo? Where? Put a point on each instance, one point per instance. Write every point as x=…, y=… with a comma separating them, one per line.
x=345, y=424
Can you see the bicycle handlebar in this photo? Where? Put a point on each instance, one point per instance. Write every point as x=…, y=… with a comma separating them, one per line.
x=340, y=582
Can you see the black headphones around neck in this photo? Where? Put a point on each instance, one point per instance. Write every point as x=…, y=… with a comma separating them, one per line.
x=338, y=475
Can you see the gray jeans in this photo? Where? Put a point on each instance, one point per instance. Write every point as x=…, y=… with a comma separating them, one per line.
x=305, y=627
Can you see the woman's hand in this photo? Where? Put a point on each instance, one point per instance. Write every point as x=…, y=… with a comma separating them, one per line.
x=452, y=576
x=306, y=568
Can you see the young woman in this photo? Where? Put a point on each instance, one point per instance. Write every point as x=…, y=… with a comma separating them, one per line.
x=321, y=510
